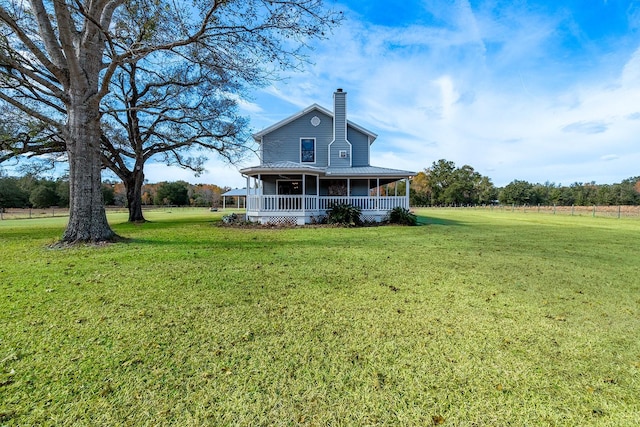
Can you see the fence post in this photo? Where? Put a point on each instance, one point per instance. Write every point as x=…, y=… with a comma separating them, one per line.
x=572, y=207
x=30, y=213
x=594, y=211
x=619, y=211
x=554, y=208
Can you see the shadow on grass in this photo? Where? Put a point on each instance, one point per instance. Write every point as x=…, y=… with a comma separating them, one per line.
x=424, y=220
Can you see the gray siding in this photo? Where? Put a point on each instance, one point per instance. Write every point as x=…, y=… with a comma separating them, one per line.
x=335, y=149
x=340, y=115
x=269, y=184
x=284, y=144
x=359, y=187
x=311, y=186
x=359, y=146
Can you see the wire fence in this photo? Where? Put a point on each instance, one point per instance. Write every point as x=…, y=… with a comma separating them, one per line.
x=33, y=213
x=594, y=211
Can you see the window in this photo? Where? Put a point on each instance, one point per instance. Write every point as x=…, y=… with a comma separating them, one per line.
x=342, y=154
x=308, y=150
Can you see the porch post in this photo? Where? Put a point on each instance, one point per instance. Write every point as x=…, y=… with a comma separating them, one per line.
x=377, y=193
x=259, y=192
x=407, y=201
x=304, y=194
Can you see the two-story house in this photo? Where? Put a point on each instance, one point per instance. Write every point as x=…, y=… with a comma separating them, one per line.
x=314, y=159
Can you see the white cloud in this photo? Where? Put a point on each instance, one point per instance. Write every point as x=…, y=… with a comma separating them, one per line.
x=217, y=172
x=479, y=89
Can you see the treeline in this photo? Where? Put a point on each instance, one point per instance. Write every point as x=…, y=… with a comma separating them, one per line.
x=444, y=184
x=176, y=193
x=579, y=194
x=30, y=191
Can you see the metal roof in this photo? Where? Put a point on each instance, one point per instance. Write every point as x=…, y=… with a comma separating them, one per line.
x=236, y=192
x=293, y=167
x=371, y=171
x=282, y=166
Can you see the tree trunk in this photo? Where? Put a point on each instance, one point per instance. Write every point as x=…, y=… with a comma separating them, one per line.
x=87, y=217
x=133, y=186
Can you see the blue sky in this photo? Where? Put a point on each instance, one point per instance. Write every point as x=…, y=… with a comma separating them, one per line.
x=531, y=90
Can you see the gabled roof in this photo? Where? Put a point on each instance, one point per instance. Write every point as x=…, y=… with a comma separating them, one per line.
x=258, y=136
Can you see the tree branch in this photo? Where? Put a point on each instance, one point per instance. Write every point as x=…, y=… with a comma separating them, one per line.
x=48, y=35
x=32, y=112
x=31, y=46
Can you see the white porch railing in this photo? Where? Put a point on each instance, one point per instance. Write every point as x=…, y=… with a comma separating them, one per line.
x=265, y=203
x=365, y=203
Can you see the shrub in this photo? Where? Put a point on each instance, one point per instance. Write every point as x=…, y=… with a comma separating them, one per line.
x=345, y=214
x=401, y=216
x=232, y=219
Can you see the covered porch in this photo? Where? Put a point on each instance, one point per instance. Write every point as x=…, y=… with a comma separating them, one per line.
x=303, y=197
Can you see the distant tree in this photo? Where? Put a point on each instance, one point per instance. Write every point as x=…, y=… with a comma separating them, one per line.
x=11, y=194
x=172, y=193
x=485, y=191
x=108, y=194
x=605, y=195
x=44, y=195
x=540, y=194
x=584, y=194
x=445, y=184
x=204, y=194
x=628, y=190
x=440, y=177
x=419, y=190
x=62, y=190
x=516, y=192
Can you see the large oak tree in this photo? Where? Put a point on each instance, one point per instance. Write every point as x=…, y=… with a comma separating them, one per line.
x=59, y=58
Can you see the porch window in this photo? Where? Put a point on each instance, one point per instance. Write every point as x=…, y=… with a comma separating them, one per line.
x=308, y=150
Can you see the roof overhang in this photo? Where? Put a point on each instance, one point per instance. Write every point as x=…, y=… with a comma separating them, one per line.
x=287, y=168
x=282, y=168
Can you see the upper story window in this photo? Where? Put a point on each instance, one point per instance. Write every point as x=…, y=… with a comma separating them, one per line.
x=308, y=150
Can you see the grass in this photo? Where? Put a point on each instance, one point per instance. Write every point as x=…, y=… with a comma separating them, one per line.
x=475, y=319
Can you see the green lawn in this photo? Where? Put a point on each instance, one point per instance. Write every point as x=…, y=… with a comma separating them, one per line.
x=476, y=318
